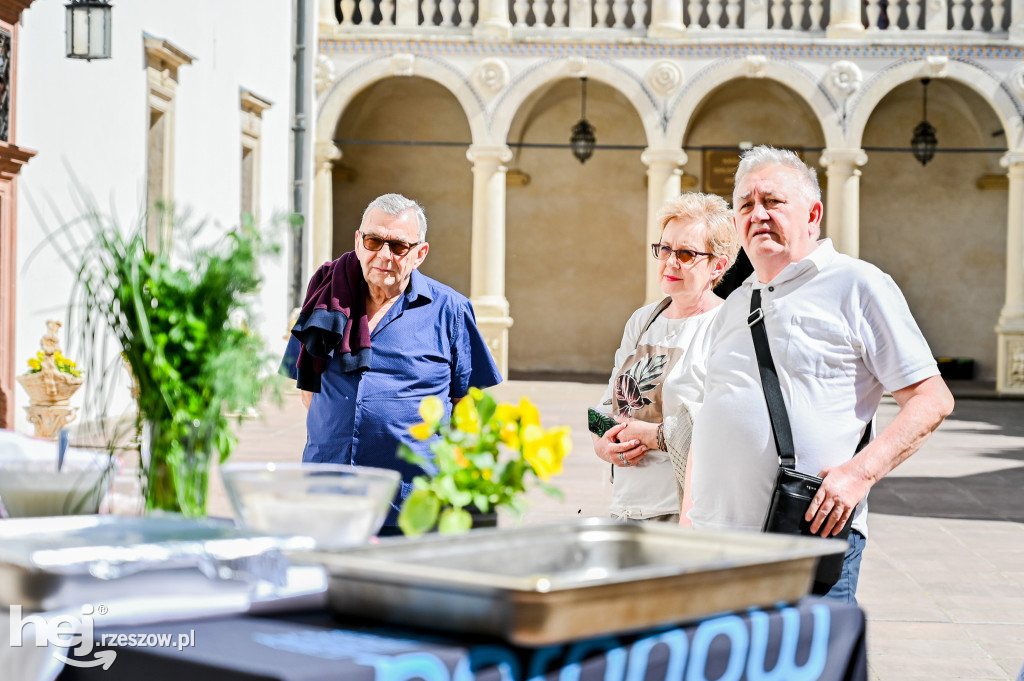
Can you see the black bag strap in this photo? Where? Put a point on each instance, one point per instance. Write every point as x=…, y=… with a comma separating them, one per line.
x=654, y=315
x=773, y=392
x=770, y=384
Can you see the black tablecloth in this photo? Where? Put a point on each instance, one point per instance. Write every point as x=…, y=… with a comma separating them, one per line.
x=815, y=639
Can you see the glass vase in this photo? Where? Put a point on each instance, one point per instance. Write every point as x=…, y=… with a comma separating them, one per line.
x=176, y=461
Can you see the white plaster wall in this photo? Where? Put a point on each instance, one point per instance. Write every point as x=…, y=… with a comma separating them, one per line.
x=89, y=120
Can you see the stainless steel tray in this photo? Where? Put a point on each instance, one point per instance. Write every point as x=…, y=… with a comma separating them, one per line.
x=543, y=585
x=50, y=563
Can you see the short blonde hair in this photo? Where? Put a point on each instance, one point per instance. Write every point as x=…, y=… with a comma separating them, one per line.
x=711, y=211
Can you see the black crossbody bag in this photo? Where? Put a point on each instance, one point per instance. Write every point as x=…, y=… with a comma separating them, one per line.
x=793, y=490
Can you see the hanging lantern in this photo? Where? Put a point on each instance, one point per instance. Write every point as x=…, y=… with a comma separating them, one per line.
x=583, y=139
x=88, y=29
x=924, y=141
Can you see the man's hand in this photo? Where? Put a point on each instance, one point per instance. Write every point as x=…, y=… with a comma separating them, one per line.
x=623, y=454
x=841, y=490
x=923, y=406
x=307, y=398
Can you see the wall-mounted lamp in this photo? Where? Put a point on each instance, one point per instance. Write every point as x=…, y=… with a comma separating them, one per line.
x=583, y=140
x=88, y=29
x=924, y=141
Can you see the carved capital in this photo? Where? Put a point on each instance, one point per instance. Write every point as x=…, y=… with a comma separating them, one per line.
x=1013, y=160
x=326, y=153
x=488, y=153
x=674, y=158
x=852, y=158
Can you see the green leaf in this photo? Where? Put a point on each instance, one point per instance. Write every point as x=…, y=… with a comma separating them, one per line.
x=486, y=406
x=406, y=453
x=419, y=512
x=455, y=521
x=451, y=493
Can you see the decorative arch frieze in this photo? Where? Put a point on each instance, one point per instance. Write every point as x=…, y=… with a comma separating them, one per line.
x=616, y=76
x=811, y=89
x=336, y=99
x=997, y=92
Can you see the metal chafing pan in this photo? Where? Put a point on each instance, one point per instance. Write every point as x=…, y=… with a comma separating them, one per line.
x=544, y=585
x=50, y=563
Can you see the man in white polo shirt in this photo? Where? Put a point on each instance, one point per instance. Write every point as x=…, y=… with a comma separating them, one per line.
x=840, y=334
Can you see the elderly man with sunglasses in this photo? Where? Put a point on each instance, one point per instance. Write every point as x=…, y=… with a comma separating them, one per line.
x=374, y=337
x=840, y=334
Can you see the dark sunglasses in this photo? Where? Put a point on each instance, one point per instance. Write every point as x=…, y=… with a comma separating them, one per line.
x=684, y=255
x=375, y=243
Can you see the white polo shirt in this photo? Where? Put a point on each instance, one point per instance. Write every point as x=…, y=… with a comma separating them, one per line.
x=841, y=334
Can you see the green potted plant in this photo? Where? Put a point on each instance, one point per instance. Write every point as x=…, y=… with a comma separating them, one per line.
x=485, y=455
x=176, y=319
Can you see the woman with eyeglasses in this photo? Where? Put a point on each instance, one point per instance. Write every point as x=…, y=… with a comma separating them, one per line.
x=658, y=377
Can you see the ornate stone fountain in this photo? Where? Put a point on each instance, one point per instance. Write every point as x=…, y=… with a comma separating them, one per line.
x=50, y=389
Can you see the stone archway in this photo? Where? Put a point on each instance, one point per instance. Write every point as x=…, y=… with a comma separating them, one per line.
x=940, y=229
x=432, y=170
x=576, y=254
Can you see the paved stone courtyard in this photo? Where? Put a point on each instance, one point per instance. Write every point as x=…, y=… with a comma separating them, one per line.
x=942, y=580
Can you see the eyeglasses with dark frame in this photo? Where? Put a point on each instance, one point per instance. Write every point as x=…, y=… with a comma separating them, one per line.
x=684, y=255
x=375, y=243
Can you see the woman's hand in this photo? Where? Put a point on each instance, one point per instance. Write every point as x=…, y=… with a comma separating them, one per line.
x=646, y=433
x=623, y=454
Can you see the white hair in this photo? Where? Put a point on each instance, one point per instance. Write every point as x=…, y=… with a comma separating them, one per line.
x=395, y=205
x=765, y=155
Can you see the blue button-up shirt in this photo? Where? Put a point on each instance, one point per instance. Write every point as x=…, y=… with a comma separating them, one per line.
x=426, y=344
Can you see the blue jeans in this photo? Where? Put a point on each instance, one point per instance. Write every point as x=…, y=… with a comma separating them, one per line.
x=845, y=590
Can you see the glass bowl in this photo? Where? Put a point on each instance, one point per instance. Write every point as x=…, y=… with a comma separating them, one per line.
x=335, y=504
x=31, y=485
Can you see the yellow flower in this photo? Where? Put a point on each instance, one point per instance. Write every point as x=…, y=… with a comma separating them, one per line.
x=506, y=413
x=33, y=364
x=509, y=434
x=465, y=415
x=421, y=431
x=561, y=442
x=431, y=409
x=528, y=413
x=460, y=459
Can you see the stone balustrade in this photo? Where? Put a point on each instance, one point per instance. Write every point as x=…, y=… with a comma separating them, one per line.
x=631, y=19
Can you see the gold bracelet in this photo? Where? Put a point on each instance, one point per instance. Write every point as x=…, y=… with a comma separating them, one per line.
x=661, y=437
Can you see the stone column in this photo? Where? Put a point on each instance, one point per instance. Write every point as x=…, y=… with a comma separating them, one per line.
x=1010, y=329
x=842, y=205
x=662, y=184
x=493, y=22
x=666, y=19
x=1017, y=21
x=487, y=275
x=844, y=20
x=323, y=203
x=325, y=16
